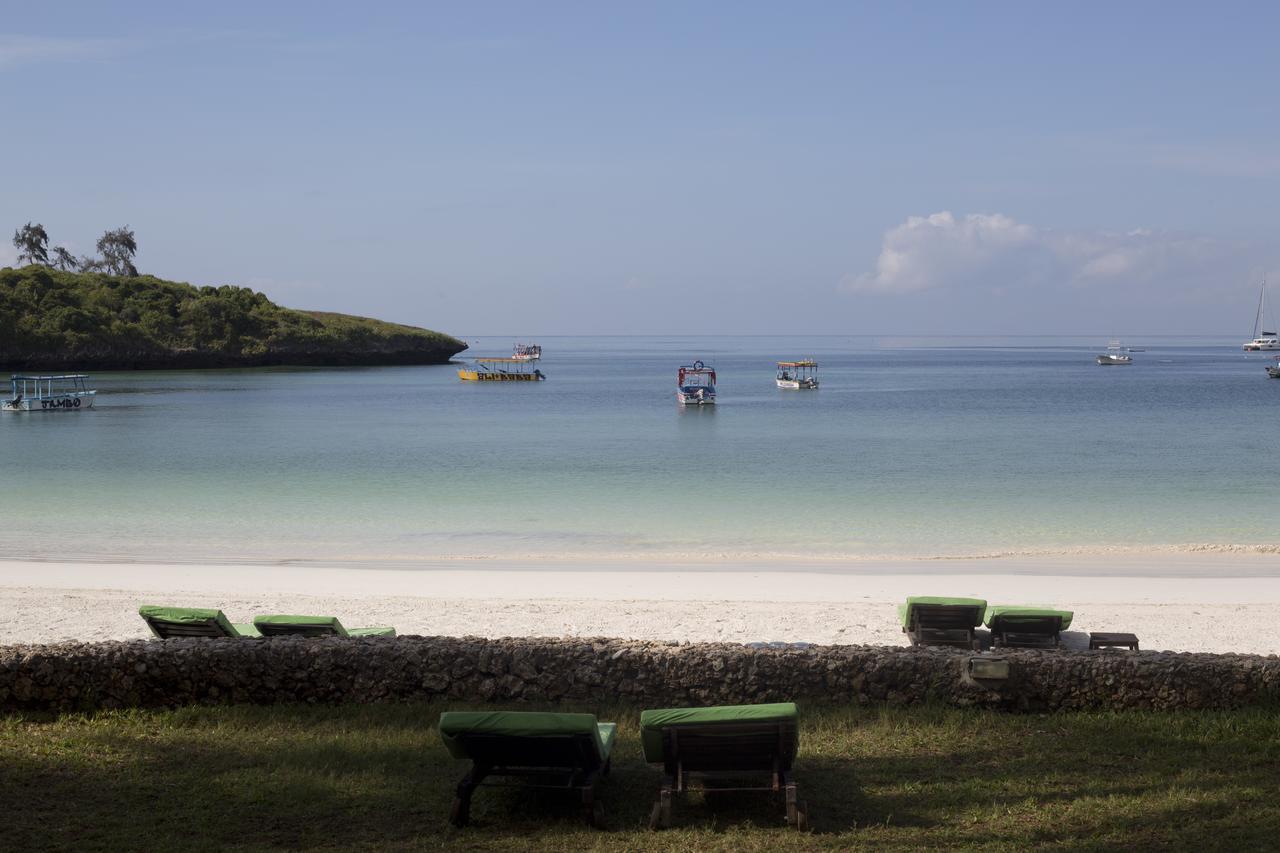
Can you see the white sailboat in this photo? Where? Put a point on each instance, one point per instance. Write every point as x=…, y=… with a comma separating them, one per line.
x=1262, y=339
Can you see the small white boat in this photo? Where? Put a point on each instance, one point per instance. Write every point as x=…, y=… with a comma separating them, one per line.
x=696, y=385
x=1115, y=354
x=798, y=375
x=1262, y=339
x=64, y=393
x=526, y=352
x=1273, y=370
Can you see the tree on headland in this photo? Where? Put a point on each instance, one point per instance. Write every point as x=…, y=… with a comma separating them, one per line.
x=32, y=243
x=117, y=249
x=64, y=260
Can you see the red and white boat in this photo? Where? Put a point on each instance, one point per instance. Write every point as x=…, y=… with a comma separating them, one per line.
x=696, y=385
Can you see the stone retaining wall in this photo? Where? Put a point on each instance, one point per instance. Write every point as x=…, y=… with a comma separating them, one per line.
x=586, y=672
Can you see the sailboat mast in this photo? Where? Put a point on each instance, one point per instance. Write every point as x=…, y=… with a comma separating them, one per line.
x=1262, y=302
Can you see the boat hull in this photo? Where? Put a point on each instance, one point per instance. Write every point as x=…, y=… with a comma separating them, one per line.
x=1114, y=359
x=56, y=403
x=482, y=376
x=693, y=399
x=1260, y=347
x=1273, y=372
x=797, y=384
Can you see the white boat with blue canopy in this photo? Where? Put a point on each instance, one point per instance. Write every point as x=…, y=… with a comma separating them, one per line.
x=64, y=393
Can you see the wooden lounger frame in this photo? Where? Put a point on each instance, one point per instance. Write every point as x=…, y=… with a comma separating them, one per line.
x=1029, y=632
x=268, y=629
x=566, y=762
x=942, y=625
x=167, y=630
x=730, y=751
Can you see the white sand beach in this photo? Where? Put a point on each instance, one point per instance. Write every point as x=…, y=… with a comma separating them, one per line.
x=1181, y=602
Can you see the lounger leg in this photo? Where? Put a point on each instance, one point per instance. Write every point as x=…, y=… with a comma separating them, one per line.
x=593, y=809
x=797, y=812
x=460, y=811
x=660, y=815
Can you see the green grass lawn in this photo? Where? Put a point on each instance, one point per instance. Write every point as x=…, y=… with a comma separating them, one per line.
x=377, y=778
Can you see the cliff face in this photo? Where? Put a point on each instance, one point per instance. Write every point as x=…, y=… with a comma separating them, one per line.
x=52, y=320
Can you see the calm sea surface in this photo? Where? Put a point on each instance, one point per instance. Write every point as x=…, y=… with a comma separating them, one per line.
x=910, y=448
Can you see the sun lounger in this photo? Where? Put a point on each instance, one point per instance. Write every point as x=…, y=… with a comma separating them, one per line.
x=1027, y=627
x=566, y=751
x=167, y=622
x=929, y=620
x=738, y=744
x=314, y=626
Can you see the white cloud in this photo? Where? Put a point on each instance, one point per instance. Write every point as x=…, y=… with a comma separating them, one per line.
x=18, y=50
x=942, y=251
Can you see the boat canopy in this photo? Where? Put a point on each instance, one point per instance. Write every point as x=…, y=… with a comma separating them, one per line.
x=808, y=362
x=697, y=369
x=19, y=378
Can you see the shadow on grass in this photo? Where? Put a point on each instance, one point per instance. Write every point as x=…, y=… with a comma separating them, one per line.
x=378, y=777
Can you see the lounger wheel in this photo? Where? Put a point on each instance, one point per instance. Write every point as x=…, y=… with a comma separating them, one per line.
x=459, y=812
x=802, y=816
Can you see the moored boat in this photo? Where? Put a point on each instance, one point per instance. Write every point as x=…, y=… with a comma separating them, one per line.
x=798, y=375
x=1273, y=370
x=501, y=370
x=1115, y=354
x=696, y=385
x=1262, y=339
x=63, y=393
x=526, y=352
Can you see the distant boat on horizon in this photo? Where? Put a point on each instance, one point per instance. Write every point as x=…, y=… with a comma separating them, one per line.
x=1115, y=354
x=1262, y=339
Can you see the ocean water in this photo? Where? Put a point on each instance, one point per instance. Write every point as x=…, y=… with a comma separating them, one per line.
x=911, y=448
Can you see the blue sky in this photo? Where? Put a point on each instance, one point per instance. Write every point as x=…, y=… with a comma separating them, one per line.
x=547, y=168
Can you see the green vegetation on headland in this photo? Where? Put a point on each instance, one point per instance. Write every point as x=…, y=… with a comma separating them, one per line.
x=376, y=777
x=64, y=320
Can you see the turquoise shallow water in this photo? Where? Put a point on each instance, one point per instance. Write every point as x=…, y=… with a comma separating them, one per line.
x=910, y=448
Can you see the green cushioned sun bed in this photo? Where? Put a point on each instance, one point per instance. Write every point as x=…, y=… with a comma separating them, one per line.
x=740, y=744
x=930, y=620
x=1028, y=627
x=553, y=750
x=314, y=626
x=167, y=622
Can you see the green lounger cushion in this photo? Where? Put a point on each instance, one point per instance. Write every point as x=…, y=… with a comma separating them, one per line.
x=1011, y=611
x=196, y=615
x=653, y=722
x=904, y=610
x=522, y=724
x=325, y=624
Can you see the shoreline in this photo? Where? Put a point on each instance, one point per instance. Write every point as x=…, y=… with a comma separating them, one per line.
x=1208, y=561
x=1216, y=603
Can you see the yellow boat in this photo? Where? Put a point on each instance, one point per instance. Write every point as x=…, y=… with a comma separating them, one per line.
x=501, y=370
